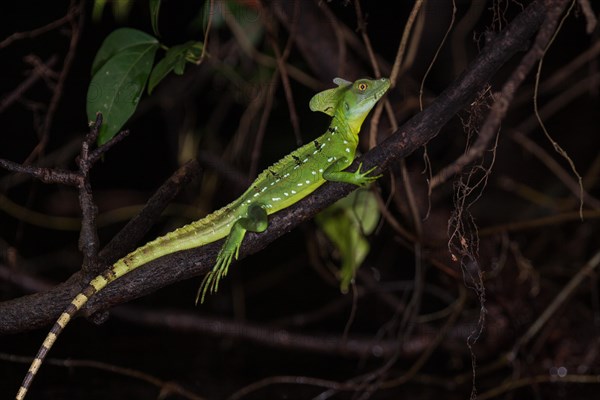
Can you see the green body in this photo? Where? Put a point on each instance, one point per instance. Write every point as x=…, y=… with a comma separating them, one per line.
x=286, y=182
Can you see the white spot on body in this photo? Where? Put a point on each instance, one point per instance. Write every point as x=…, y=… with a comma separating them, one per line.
x=300, y=184
x=321, y=170
x=276, y=198
x=293, y=192
x=347, y=150
x=286, y=193
x=313, y=172
x=330, y=159
x=307, y=182
x=305, y=160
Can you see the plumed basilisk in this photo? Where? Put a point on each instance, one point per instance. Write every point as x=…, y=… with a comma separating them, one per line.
x=284, y=183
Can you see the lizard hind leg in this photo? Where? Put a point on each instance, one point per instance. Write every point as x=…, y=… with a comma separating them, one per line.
x=255, y=221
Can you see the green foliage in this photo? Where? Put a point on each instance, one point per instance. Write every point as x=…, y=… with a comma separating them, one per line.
x=175, y=60
x=154, y=8
x=123, y=66
x=120, y=71
x=122, y=40
x=347, y=223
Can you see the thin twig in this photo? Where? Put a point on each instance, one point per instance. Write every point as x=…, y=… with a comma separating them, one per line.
x=37, y=73
x=353, y=347
x=558, y=301
x=96, y=154
x=166, y=387
x=211, y=6
x=281, y=59
x=575, y=187
x=590, y=17
x=292, y=380
x=362, y=28
x=537, y=223
x=400, y=53
x=457, y=309
x=36, y=32
x=503, y=99
x=554, y=143
x=437, y=53
x=511, y=385
x=76, y=26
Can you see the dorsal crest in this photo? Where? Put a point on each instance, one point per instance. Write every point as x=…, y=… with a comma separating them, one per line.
x=327, y=100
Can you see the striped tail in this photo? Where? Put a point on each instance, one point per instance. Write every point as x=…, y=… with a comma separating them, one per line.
x=119, y=269
x=196, y=234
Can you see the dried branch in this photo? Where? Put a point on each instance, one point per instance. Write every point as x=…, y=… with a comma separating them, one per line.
x=76, y=17
x=504, y=98
x=39, y=71
x=559, y=300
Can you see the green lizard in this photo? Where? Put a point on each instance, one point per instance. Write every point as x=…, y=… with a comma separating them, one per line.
x=286, y=182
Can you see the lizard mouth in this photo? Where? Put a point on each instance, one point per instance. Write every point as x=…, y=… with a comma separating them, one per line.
x=384, y=89
x=379, y=94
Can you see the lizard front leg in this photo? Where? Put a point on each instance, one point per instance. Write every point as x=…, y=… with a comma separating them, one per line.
x=335, y=173
x=255, y=221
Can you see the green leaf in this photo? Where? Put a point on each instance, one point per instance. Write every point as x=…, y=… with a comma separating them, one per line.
x=175, y=60
x=116, y=87
x=347, y=223
x=154, y=8
x=119, y=41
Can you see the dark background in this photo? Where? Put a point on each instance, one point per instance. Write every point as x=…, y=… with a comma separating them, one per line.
x=291, y=286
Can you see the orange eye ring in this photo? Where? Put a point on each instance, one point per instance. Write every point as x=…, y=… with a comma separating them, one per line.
x=362, y=86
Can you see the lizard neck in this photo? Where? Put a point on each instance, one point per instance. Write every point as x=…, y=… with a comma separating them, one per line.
x=341, y=126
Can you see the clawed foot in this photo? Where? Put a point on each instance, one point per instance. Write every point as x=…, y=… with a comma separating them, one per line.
x=363, y=178
x=210, y=283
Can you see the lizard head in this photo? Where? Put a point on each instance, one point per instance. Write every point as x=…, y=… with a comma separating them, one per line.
x=350, y=101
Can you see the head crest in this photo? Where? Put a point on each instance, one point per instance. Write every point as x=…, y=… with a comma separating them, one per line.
x=326, y=100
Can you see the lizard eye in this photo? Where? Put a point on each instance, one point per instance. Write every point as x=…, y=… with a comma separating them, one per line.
x=362, y=86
